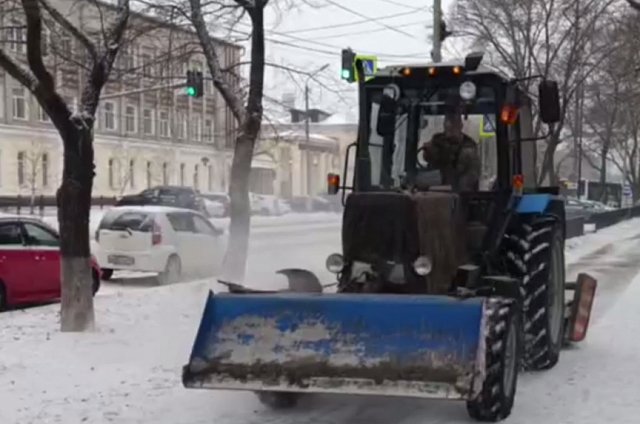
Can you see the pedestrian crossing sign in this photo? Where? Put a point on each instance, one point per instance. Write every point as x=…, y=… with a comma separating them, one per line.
x=487, y=126
x=369, y=65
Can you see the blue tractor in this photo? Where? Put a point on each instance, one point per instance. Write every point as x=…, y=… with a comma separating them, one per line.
x=440, y=294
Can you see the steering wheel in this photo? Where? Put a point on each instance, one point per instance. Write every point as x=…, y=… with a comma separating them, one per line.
x=420, y=162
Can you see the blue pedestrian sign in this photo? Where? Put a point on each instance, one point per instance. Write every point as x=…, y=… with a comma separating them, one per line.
x=626, y=190
x=369, y=66
x=487, y=126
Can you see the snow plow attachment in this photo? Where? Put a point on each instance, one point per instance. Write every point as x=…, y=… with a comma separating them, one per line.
x=579, y=309
x=395, y=345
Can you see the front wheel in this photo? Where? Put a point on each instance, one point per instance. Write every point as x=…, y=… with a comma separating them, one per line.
x=96, y=281
x=107, y=274
x=502, y=360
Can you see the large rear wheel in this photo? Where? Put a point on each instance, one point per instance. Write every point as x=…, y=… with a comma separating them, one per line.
x=502, y=357
x=536, y=253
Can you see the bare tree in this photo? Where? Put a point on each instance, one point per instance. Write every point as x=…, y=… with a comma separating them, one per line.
x=33, y=169
x=540, y=37
x=634, y=4
x=99, y=51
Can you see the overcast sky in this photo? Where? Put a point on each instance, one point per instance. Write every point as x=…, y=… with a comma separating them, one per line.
x=395, y=31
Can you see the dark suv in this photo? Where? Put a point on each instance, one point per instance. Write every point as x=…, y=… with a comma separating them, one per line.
x=179, y=197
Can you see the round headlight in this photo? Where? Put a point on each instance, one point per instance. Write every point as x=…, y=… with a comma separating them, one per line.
x=422, y=265
x=335, y=263
x=467, y=90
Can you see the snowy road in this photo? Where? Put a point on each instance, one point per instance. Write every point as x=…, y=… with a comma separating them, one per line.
x=129, y=371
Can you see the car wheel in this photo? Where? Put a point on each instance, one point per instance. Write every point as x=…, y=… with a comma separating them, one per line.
x=171, y=273
x=96, y=281
x=107, y=274
x=3, y=297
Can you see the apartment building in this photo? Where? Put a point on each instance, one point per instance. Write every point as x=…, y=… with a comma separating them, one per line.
x=145, y=138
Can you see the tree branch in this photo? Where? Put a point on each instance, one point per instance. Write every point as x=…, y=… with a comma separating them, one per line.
x=634, y=4
x=34, y=44
x=68, y=26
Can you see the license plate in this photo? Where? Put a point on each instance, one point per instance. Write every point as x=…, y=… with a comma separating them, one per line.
x=121, y=260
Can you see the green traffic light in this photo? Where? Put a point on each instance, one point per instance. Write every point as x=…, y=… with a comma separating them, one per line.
x=191, y=91
x=346, y=74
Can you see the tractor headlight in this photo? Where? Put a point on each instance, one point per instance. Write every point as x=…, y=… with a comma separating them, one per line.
x=422, y=265
x=467, y=90
x=335, y=263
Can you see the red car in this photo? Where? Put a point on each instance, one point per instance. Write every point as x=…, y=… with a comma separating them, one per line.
x=30, y=262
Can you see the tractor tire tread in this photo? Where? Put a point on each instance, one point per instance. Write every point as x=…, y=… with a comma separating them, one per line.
x=492, y=403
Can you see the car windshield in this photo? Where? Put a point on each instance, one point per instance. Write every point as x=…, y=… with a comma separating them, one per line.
x=426, y=108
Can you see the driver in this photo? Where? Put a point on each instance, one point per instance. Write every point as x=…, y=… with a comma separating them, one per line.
x=454, y=154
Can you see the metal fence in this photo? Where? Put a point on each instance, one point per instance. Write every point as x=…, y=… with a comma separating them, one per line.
x=38, y=205
x=575, y=227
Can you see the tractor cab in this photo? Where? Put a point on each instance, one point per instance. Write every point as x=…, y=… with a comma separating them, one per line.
x=401, y=109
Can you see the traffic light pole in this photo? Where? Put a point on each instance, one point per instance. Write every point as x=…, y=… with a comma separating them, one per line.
x=436, y=53
x=143, y=90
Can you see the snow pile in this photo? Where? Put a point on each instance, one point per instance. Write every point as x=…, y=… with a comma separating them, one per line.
x=589, y=243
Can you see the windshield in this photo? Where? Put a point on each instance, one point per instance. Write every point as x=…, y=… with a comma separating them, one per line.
x=426, y=109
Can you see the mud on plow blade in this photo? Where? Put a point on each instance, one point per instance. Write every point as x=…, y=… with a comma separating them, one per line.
x=394, y=345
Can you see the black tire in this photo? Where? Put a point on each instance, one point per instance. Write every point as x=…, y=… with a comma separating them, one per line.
x=3, y=297
x=96, y=281
x=107, y=274
x=503, y=344
x=538, y=253
x=279, y=400
x=172, y=271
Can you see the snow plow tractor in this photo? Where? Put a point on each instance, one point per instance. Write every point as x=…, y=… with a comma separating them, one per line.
x=441, y=293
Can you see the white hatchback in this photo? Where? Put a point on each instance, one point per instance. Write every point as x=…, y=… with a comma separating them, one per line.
x=176, y=243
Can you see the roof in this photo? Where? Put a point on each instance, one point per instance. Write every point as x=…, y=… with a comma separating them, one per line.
x=150, y=209
x=16, y=217
x=392, y=71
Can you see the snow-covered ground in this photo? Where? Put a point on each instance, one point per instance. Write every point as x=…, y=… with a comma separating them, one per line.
x=129, y=370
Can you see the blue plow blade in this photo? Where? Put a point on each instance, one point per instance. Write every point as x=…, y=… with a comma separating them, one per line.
x=393, y=345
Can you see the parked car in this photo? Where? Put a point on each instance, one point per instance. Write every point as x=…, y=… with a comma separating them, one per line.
x=269, y=205
x=173, y=242
x=216, y=204
x=180, y=197
x=30, y=262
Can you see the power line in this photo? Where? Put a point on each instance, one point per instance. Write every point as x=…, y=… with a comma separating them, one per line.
x=352, y=23
x=379, y=22
x=395, y=3
x=369, y=31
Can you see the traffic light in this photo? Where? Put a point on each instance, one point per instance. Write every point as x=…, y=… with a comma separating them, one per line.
x=444, y=32
x=195, y=84
x=348, y=61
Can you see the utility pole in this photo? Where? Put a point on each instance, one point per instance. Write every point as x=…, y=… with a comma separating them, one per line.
x=436, y=53
x=307, y=118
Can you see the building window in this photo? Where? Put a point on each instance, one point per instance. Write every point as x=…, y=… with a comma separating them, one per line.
x=112, y=182
x=110, y=116
x=66, y=46
x=130, y=119
x=208, y=84
x=182, y=174
x=148, y=174
x=196, y=177
x=147, y=121
x=208, y=130
x=132, y=173
x=21, y=174
x=196, y=128
x=128, y=58
x=164, y=124
x=182, y=126
x=210, y=175
x=45, y=170
x=19, y=104
x=147, y=64
x=42, y=114
x=17, y=36
x=165, y=173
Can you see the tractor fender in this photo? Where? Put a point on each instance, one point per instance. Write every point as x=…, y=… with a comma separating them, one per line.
x=543, y=203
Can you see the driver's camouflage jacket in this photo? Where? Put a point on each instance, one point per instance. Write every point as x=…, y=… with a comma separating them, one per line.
x=458, y=163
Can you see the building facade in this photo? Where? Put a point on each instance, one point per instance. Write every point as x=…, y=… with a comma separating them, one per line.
x=158, y=136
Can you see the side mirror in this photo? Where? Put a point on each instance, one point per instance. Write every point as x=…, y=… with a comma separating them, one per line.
x=333, y=183
x=549, y=102
x=386, y=124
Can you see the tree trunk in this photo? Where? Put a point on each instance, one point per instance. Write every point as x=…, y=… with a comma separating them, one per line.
x=235, y=262
x=603, y=172
x=74, y=206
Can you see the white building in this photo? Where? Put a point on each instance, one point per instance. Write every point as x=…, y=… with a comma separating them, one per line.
x=157, y=137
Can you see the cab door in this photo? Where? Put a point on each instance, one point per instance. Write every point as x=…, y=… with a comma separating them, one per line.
x=44, y=245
